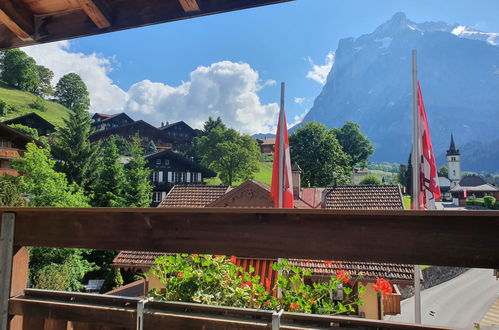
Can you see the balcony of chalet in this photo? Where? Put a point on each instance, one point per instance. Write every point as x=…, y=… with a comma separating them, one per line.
x=454, y=238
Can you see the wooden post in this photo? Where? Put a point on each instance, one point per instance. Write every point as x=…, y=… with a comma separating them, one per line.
x=20, y=264
x=6, y=248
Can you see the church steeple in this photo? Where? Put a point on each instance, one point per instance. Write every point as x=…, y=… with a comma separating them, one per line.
x=452, y=148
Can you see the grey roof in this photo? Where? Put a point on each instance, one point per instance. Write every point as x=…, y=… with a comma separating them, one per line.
x=452, y=148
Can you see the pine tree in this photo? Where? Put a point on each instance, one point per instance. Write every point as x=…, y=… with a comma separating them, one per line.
x=72, y=148
x=138, y=187
x=151, y=148
x=109, y=186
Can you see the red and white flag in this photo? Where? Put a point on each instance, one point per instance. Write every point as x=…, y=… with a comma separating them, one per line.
x=429, y=187
x=281, y=190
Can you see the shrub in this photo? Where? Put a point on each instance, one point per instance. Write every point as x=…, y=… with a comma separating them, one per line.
x=29, y=131
x=370, y=179
x=489, y=201
x=39, y=104
x=4, y=108
x=475, y=202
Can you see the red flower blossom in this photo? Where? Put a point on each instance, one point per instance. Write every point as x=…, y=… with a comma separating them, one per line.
x=312, y=300
x=233, y=259
x=384, y=286
x=293, y=306
x=308, y=260
x=218, y=255
x=180, y=275
x=195, y=255
x=328, y=262
x=344, y=276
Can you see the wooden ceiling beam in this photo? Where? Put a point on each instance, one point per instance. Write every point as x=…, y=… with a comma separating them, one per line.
x=189, y=5
x=17, y=18
x=97, y=11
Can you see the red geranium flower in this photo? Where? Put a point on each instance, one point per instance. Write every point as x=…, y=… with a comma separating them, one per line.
x=233, y=259
x=312, y=299
x=293, y=306
x=328, y=262
x=384, y=286
x=344, y=276
x=195, y=255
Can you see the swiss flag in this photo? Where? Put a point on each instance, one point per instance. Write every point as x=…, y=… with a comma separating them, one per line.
x=429, y=188
x=282, y=167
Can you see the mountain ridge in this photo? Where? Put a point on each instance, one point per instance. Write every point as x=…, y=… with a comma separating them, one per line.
x=371, y=83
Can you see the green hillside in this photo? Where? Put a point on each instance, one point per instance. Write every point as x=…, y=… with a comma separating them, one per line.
x=20, y=101
x=264, y=175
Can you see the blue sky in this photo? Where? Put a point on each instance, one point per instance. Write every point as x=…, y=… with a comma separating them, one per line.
x=278, y=43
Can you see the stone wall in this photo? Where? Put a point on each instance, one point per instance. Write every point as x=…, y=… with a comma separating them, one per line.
x=432, y=276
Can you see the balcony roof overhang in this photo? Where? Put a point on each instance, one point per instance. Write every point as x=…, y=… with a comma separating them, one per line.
x=29, y=22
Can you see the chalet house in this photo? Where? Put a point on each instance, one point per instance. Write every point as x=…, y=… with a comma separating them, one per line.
x=12, y=145
x=170, y=168
x=472, y=185
x=102, y=121
x=256, y=194
x=145, y=131
x=179, y=131
x=33, y=120
x=266, y=146
x=358, y=174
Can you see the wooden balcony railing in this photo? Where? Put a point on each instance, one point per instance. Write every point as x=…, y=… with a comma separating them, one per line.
x=457, y=238
x=8, y=171
x=11, y=153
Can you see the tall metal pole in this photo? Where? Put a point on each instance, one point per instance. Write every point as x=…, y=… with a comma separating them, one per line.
x=281, y=147
x=415, y=178
x=281, y=167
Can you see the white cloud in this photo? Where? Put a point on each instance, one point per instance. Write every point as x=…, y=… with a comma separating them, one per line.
x=226, y=89
x=300, y=100
x=94, y=69
x=298, y=118
x=319, y=72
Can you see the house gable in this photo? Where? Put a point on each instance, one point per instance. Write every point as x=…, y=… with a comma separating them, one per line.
x=248, y=194
x=35, y=121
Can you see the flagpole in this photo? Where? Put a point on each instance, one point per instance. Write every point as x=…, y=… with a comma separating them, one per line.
x=415, y=178
x=281, y=168
x=281, y=147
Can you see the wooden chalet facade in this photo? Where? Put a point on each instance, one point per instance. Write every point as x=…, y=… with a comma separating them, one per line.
x=266, y=145
x=145, y=131
x=102, y=121
x=170, y=168
x=179, y=131
x=35, y=121
x=12, y=146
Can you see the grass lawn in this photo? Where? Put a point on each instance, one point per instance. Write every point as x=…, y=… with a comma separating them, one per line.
x=21, y=101
x=264, y=175
x=389, y=176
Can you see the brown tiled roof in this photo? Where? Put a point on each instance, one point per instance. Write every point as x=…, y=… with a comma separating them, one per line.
x=136, y=259
x=364, y=197
x=193, y=195
x=368, y=270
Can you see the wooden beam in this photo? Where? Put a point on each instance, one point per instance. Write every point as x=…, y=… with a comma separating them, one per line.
x=452, y=238
x=97, y=11
x=189, y=5
x=126, y=14
x=6, y=251
x=17, y=18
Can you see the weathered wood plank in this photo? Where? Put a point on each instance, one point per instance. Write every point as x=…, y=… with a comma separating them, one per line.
x=97, y=11
x=17, y=18
x=457, y=238
x=6, y=251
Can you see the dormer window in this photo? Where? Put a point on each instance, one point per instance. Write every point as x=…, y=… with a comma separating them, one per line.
x=158, y=161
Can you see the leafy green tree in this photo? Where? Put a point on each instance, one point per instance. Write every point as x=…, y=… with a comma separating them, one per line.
x=354, y=143
x=232, y=155
x=4, y=108
x=45, y=186
x=109, y=186
x=10, y=194
x=320, y=156
x=212, y=124
x=39, y=104
x=19, y=70
x=138, y=187
x=443, y=171
x=59, y=269
x=72, y=148
x=370, y=179
x=151, y=148
x=72, y=92
x=29, y=131
x=45, y=87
